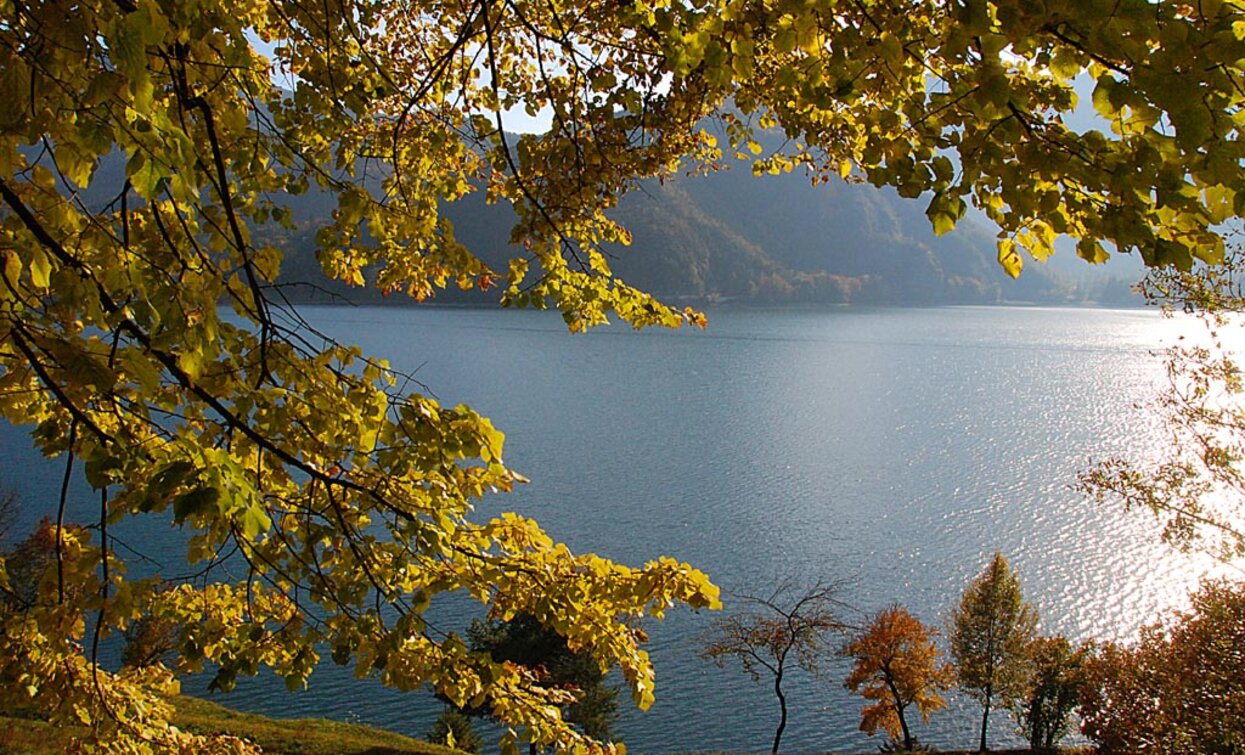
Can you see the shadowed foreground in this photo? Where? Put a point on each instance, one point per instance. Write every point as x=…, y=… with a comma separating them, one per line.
x=20, y=736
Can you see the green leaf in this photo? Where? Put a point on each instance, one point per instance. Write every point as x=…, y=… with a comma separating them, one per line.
x=1103, y=96
x=944, y=212
x=1066, y=63
x=1220, y=202
x=127, y=48
x=105, y=86
x=164, y=481
x=254, y=521
x=100, y=469
x=1163, y=253
x=145, y=175
x=138, y=367
x=40, y=269
x=1193, y=127
x=891, y=49
x=12, y=266
x=1091, y=251
x=194, y=502
x=14, y=87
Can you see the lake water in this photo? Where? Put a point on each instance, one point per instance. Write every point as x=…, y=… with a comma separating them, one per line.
x=898, y=448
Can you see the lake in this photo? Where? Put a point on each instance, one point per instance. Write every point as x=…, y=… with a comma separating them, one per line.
x=895, y=448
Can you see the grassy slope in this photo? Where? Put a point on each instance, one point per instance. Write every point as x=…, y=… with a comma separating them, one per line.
x=285, y=737
x=282, y=736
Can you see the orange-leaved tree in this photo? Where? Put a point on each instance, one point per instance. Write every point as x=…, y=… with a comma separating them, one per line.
x=1179, y=688
x=897, y=666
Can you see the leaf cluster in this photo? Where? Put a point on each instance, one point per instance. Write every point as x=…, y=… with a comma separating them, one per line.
x=525, y=641
x=1179, y=688
x=1194, y=486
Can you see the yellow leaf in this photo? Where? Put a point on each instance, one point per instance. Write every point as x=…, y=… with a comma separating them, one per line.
x=40, y=269
x=1009, y=258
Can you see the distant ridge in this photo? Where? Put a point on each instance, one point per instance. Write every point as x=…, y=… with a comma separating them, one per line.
x=777, y=240
x=731, y=237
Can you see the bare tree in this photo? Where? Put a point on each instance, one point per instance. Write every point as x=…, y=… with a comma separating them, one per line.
x=770, y=633
x=1195, y=483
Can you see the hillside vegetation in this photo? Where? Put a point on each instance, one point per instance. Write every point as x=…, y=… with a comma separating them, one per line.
x=19, y=736
x=731, y=237
x=774, y=240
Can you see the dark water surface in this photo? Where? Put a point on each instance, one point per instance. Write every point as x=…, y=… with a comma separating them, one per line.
x=896, y=447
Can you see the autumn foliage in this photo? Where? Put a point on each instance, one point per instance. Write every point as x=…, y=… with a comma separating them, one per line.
x=897, y=666
x=1053, y=689
x=1180, y=688
x=148, y=342
x=990, y=631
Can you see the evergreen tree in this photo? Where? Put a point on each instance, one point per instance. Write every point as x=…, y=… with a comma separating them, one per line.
x=989, y=633
x=525, y=641
x=453, y=728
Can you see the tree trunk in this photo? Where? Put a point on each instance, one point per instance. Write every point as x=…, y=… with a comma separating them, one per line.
x=985, y=719
x=782, y=706
x=903, y=724
x=1037, y=727
x=899, y=708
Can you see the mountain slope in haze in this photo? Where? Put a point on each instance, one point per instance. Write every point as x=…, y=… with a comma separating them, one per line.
x=778, y=239
x=729, y=236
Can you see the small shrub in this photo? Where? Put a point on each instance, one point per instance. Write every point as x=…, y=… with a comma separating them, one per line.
x=897, y=747
x=1056, y=678
x=148, y=641
x=454, y=728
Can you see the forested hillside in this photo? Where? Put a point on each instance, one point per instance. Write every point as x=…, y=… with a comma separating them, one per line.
x=773, y=240
x=732, y=237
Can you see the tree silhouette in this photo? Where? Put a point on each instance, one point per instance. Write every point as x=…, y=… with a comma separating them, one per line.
x=770, y=634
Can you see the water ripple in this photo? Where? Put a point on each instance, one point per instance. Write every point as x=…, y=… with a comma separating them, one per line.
x=898, y=447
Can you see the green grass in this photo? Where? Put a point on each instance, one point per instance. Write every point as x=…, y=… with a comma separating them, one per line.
x=20, y=736
x=308, y=736
x=315, y=736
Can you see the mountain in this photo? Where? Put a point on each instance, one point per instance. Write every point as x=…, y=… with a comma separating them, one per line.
x=775, y=239
x=731, y=237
